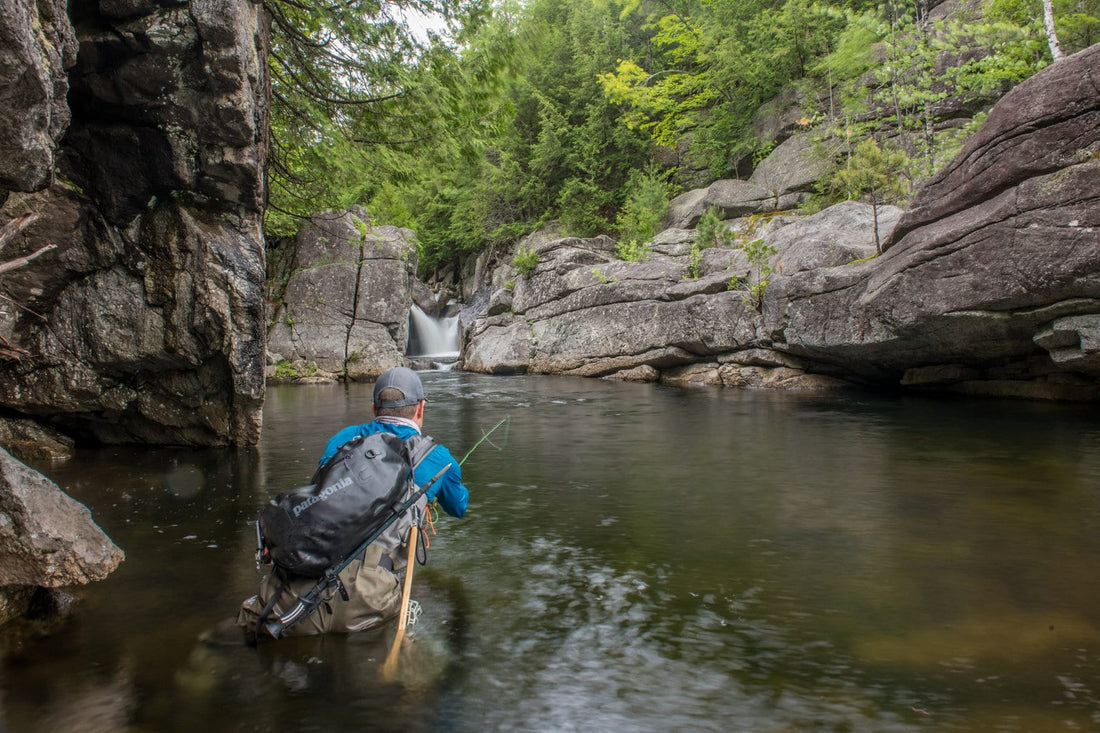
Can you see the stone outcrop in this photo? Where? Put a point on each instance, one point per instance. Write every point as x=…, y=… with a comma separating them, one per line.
x=344, y=311
x=28, y=440
x=679, y=315
x=729, y=197
x=146, y=324
x=839, y=235
x=991, y=281
x=792, y=168
x=47, y=539
x=781, y=181
x=989, y=284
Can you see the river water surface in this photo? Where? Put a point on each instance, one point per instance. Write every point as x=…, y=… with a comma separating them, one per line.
x=635, y=557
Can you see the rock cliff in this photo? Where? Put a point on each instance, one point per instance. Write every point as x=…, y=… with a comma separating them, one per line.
x=344, y=309
x=146, y=323
x=990, y=283
x=991, y=280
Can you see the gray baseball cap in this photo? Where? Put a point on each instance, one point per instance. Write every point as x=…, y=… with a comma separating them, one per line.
x=403, y=379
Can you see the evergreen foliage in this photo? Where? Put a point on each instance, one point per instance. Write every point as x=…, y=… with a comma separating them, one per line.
x=527, y=112
x=525, y=261
x=712, y=230
x=873, y=172
x=358, y=98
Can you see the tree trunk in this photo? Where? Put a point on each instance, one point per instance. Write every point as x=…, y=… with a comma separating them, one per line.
x=874, y=216
x=1052, y=35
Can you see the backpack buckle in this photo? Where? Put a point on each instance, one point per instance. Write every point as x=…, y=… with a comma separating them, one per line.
x=331, y=579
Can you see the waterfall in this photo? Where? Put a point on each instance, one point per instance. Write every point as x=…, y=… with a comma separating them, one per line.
x=432, y=338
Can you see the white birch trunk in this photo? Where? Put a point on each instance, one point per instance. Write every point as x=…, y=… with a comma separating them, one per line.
x=1052, y=34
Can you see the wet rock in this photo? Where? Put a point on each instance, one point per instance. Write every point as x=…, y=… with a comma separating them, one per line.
x=28, y=440
x=47, y=541
x=15, y=601
x=39, y=47
x=47, y=538
x=148, y=319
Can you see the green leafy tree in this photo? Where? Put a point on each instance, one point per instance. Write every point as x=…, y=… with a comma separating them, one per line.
x=924, y=62
x=711, y=65
x=1076, y=22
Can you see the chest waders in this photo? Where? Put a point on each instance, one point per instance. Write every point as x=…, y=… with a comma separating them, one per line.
x=312, y=600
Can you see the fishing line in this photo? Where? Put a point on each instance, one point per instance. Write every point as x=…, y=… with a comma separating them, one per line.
x=506, y=421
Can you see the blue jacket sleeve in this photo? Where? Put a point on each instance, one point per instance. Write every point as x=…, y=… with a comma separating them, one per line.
x=452, y=495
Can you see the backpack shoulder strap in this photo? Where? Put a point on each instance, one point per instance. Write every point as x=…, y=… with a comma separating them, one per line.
x=419, y=446
x=337, y=456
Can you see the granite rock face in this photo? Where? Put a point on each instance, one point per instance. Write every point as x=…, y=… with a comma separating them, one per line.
x=681, y=315
x=345, y=308
x=991, y=281
x=146, y=324
x=37, y=47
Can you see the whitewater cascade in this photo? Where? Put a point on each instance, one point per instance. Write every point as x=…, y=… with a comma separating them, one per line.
x=432, y=338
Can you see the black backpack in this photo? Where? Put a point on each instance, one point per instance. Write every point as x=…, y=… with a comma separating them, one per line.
x=313, y=528
x=315, y=531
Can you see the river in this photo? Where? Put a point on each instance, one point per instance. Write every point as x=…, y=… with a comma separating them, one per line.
x=635, y=557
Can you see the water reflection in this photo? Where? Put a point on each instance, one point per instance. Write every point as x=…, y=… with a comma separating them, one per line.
x=635, y=557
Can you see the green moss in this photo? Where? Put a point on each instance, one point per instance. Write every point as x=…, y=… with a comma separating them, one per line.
x=284, y=370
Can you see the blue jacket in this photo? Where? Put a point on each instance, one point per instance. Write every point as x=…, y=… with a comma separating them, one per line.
x=450, y=492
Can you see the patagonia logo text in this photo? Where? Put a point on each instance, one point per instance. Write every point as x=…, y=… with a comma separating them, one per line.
x=324, y=494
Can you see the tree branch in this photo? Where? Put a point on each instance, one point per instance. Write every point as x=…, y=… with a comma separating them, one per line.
x=22, y=261
x=15, y=226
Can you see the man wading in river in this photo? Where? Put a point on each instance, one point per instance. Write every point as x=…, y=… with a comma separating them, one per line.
x=371, y=581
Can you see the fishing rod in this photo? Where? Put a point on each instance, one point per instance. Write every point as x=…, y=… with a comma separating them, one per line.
x=390, y=665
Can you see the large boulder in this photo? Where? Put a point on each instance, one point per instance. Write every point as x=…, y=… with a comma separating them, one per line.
x=146, y=324
x=583, y=311
x=991, y=281
x=345, y=307
x=729, y=197
x=839, y=235
x=793, y=167
x=680, y=315
x=47, y=539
